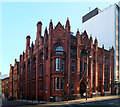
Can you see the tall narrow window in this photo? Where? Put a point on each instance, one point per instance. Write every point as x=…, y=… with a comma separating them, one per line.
x=100, y=73
x=73, y=66
x=107, y=73
x=80, y=70
x=56, y=83
x=85, y=66
x=57, y=64
x=62, y=83
x=62, y=65
x=72, y=84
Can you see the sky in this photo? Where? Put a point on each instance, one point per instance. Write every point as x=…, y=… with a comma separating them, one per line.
x=19, y=19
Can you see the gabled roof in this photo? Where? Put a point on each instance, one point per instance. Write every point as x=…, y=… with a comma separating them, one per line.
x=59, y=24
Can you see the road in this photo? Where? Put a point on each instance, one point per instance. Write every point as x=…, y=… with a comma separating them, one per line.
x=104, y=103
x=14, y=103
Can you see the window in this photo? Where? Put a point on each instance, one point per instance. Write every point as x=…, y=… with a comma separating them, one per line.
x=72, y=84
x=80, y=70
x=57, y=64
x=40, y=85
x=46, y=53
x=41, y=69
x=59, y=48
x=106, y=60
x=34, y=60
x=62, y=65
x=85, y=67
x=100, y=73
x=73, y=50
x=56, y=83
x=98, y=58
x=107, y=73
x=62, y=83
x=73, y=66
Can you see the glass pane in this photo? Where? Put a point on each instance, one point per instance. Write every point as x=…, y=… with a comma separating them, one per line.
x=56, y=83
x=62, y=83
x=73, y=66
x=57, y=64
x=62, y=65
x=72, y=84
x=59, y=48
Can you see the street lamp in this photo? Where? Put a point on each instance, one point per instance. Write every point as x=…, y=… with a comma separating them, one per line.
x=88, y=56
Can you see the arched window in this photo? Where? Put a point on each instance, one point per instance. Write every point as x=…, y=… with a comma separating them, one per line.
x=59, y=49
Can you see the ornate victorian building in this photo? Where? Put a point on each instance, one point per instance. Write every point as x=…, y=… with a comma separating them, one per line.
x=61, y=65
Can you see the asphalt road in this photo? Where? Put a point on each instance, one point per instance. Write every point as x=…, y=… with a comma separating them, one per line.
x=14, y=103
x=103, y=103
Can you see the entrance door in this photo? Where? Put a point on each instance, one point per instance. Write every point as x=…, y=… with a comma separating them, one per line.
x=82, y=88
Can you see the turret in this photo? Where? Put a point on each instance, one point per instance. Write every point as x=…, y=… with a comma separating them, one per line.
x=15, y=60
x=27, y=42
x=20, y=58
x=96, y=42
x=32, y=46
x=103, y=46
x=50, y=27
x=78, y=37
x=39, y=28
x=45, y=35
x=67, y=27
x=91, y=41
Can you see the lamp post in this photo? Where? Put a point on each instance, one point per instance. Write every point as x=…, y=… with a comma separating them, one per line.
x=88, y=56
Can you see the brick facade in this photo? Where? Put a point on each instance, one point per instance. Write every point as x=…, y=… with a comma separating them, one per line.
x=5, y=90
x=61, y=65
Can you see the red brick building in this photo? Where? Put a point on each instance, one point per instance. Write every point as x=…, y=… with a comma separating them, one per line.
x=5, y=90
x=14, y=80
x=10, y=84
x=61, y=65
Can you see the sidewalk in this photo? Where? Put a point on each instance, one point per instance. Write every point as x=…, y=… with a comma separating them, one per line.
x=76, y=101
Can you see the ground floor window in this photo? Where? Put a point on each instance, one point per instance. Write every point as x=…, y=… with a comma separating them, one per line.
x=56, y=83
x=72, y=84
x=62, y=83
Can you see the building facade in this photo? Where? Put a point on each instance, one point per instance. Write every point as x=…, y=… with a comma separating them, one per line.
x=105, y=24
x=58, y=65
x=5, y=90
x=61, y=66
x=16, y=80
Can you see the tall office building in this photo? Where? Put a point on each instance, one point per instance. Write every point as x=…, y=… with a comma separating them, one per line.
x=105, y=26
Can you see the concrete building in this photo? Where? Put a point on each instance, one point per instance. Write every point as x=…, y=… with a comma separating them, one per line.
x=105, y=25
x=61, y=65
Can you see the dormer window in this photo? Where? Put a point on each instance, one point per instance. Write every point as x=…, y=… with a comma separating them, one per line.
x=59, y=50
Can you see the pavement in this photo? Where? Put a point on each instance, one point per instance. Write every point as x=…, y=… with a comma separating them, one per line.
x=0, y=102
x=76, y=101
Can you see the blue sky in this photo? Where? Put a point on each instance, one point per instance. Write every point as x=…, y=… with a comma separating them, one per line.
x=19, y=19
